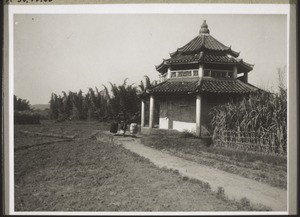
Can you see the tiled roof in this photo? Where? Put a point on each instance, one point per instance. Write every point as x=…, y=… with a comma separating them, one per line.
x=203, y=42
x=205, y=85
x=213, y=58
x=183, y=59
x=176, y=85
x=204, y=49
x=225, y=86
x=206, y=58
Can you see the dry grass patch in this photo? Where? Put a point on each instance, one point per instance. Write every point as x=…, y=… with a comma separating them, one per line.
x=265, y=168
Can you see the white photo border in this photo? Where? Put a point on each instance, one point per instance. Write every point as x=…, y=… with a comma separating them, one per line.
x=135, y=9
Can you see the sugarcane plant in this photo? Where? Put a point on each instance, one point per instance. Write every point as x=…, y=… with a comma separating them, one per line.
x=261, y=117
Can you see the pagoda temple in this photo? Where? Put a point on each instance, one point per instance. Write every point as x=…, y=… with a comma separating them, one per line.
x=198, y=76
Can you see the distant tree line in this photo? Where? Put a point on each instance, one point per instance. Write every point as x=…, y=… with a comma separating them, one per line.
x=102, y=105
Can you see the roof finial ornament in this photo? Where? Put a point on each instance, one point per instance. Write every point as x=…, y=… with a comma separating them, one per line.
x=204, y=28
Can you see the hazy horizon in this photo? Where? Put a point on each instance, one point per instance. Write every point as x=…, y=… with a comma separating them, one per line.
x=55, y=53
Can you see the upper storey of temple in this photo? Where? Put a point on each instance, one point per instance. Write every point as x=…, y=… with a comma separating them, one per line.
x=204, y=49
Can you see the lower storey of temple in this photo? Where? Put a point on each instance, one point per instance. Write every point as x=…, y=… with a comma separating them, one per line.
x=182, y=112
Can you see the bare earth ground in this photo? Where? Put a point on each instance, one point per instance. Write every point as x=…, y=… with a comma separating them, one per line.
x=236, y=187
x=88, y=175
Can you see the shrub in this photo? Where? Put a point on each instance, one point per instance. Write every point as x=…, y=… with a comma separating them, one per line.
x=26, y=117
x=207, y=141
x=185, y=178
x=221, y=193
x=244, y=204
x=176, y=172
x=186, y=134
x=44, y=114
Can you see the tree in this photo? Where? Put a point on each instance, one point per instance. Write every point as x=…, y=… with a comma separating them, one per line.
x=23, y=114
x=67, y=104
x=53, y=107
x=98, y=104
x=78, y=106
x=144, y=85
x=125, y=99
x=21, y=104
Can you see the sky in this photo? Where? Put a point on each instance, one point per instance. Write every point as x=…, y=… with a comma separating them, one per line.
x=68, y=52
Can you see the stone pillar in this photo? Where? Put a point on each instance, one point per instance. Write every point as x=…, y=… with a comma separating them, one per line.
x=169, y=73
x=198, y=115
x=246, y=77
x=235, y=72
x=151, y=113
x=143, y=114
x=201, y=71
x=160, y=78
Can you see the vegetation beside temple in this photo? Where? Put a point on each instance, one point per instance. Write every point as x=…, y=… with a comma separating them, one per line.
x=260, y=119
x=101, y=105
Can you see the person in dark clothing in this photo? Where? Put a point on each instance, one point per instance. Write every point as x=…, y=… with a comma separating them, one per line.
x=114, y=126
x=123, y=123
x=123, y=126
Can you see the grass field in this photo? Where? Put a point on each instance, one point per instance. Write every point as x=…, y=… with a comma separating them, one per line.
x=268, y=169
x=88, y=175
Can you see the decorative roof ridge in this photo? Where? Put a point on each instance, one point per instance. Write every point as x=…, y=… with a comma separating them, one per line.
x=160, y=65
x=157, y=66
x=234, y=53
x=241, y=61
x=203, y=42
x=173, y=53
x=249, y=64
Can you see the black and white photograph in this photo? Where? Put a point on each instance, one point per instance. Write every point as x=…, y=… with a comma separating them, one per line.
x=149, y=109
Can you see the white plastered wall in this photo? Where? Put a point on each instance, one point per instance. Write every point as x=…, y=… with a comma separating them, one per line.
x=184, y=126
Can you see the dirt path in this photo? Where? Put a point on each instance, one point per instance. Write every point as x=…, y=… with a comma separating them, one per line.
x=236, y=187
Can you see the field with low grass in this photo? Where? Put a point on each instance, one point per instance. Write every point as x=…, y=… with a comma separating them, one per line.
x=87, y=175
x=261, y=167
